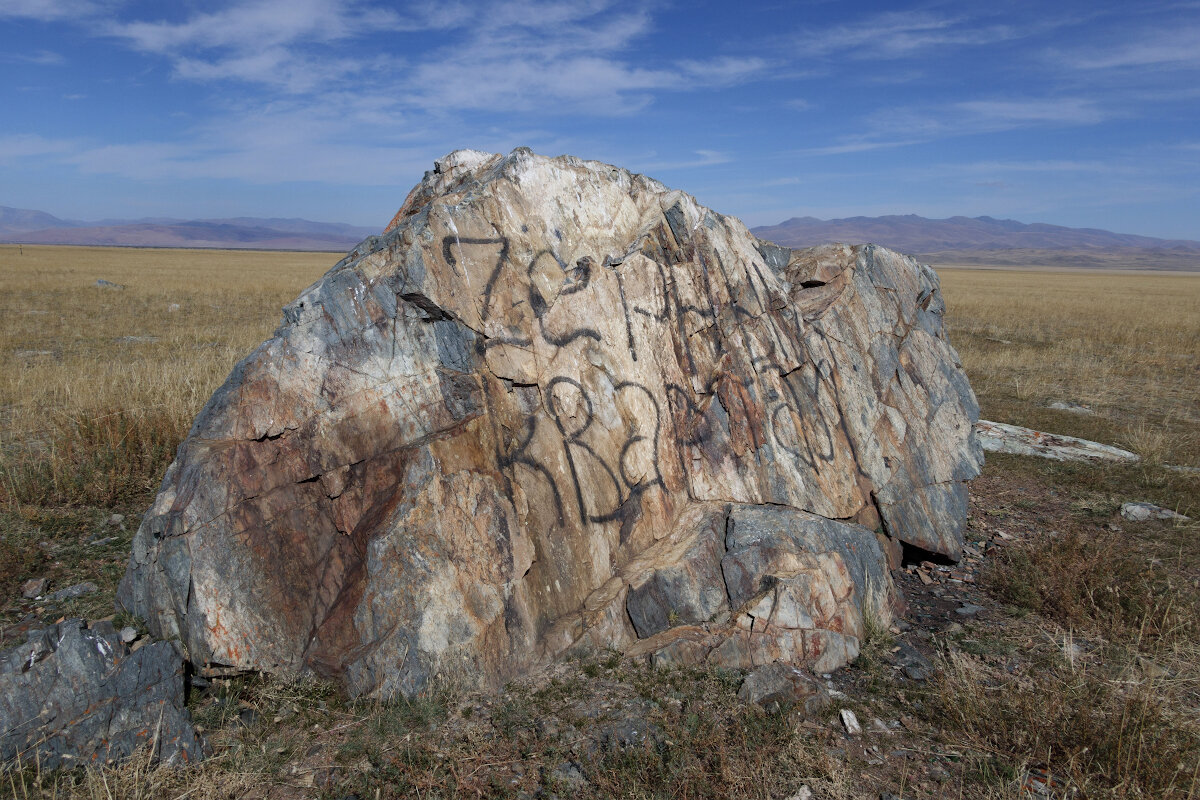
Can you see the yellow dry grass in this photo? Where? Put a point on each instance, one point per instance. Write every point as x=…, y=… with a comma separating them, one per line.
x=1126, y=345
x=98, y=386
x=84, y=367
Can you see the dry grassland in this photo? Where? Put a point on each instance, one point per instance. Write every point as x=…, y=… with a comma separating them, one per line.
x=1126, y=345
x=98, y=387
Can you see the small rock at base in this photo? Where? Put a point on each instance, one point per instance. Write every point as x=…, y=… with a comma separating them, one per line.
x=1143, y=512
x=1074, y=408
x=33, y=587
x=968, y=610
x=851, y=722
x=128, y=634
x=71, y=592
x=780, y=687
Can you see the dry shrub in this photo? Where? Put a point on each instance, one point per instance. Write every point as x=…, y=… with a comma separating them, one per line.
x=1109, y=732
x=107, y=460
x=1101, y=581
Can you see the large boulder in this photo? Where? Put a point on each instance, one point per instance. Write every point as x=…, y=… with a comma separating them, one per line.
x=559, y=405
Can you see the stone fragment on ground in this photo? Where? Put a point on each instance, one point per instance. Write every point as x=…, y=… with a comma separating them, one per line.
x=1074, y=408
x=72, y=696
x=1144, y=512
x=783, y=687
x=558, y=406
x=101, y=283
x=850, y=722
x=998, y=437
x=33, y=588
x=72, y=592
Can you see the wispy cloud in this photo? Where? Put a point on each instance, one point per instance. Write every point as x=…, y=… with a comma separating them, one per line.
x=704, y=158
x=900, y=127
x=1069, y=110
x=41, y=58
x=22, y=146
x=898, y=34
x=1175, y=46
x=47, y=10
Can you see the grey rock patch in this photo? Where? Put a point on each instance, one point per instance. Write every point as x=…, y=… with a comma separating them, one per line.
x=1074, y=408
x=71, y=696
x=128, y=634
x=72, y=592
x=34, y=587
x=782, y=687
x=105, y=284
x=1144, y=512
x=968, y=609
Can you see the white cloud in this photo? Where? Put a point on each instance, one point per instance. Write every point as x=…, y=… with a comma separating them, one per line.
x=42, y=58
x=898, y=34
x=901, y=127
x=1177, y=47
x=519, y=55
x=47, y=10
x=1069, y=110
x=22, y=146
x=704, y=158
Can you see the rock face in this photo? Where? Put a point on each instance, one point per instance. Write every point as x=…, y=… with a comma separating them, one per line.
x=558, y=405
x=71, y=696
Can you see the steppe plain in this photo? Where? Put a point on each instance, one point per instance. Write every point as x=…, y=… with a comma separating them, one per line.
x=1080, y=675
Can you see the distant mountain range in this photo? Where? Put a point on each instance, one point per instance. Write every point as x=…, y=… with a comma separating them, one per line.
x=37, y=227
x=990, y=241
x=972, y=241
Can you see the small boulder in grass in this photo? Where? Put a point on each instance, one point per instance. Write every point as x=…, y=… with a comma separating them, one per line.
x=34, y=587
x=1144, y=512
x=782, y=687
x=72, y=592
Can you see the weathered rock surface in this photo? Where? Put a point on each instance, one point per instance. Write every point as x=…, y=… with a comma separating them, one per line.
x=71, y=695
x=999, y=437
x=780, y=687
x=558, y=405
x=1144, y=512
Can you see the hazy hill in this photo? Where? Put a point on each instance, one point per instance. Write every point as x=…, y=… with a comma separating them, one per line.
x=986, y=240
x=37, y=227
x=957, y=240
x=15, y=220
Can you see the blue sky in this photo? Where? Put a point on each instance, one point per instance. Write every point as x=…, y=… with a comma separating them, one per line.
x=1075, y=113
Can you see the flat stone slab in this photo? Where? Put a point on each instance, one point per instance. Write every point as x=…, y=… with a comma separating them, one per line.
x=998, y=437
x=1144, y=512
